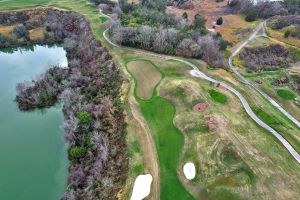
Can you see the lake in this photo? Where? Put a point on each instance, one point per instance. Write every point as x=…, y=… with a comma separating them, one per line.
x=33, y=151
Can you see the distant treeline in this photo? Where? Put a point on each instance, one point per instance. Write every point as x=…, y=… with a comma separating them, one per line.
x=147, y=26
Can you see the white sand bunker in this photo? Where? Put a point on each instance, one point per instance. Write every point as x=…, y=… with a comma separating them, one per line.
x=189, y=170
x=142, y=186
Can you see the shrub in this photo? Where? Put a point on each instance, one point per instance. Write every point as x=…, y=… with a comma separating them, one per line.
x=43, y=96
x=185, y=15
x=77, y=152
x=219, y=21
x=287, y=33
x=84, y=117
x=199, y=21
x=251, y=16
x=20, y=31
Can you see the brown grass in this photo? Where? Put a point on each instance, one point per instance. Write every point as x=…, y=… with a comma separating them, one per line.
x=6, y=30
x=36, y=33
x=295, y=69
x=235, y=28
x=134, y=1
x=279, y=35
x=146, y=75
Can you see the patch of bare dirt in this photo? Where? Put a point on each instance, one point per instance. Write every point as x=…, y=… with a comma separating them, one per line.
x=211, y=9
x=217, y=124
x=200, y=107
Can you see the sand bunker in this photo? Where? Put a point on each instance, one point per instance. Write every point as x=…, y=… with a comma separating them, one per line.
x=189, y=170
x=142, y=186
x=200, y=107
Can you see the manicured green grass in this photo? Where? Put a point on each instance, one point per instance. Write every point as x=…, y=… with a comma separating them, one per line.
x=18, y=4
x=286, y=94
x=217, y=96
x=159, y=114
x=147, y=76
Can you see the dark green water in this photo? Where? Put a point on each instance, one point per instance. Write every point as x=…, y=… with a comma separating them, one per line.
x=33, y=153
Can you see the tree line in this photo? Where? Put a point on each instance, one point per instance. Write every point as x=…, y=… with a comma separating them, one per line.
x=89, y=90
x=147, y=26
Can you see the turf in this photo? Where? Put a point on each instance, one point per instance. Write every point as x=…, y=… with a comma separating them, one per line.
x=286, y=94
x=146, y=76
x=159, y=114
x=217, y=96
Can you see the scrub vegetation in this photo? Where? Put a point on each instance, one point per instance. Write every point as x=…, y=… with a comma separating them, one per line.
x=148, y=26
x=90, y=92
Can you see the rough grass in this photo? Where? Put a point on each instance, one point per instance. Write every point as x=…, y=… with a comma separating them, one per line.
x=36, y=33
x=286, y=94
x=217, y=96
x=146, y=76
x=279, y=35
x=6, y=30
x=18, y=4
x=260, y=41
x=235, y=28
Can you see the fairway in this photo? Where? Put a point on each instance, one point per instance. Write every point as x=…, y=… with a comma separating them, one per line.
x=146, y=76
x=159, y=114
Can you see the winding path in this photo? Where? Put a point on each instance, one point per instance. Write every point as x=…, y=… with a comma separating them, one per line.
x=235, y=70
x=197, y=73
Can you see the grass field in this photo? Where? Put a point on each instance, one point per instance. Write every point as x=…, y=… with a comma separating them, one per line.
x=235, y=28
x=220, y=141
x=286, y=94
x=279, y=35
x=147, y=77
x=169, y=141
x=260, y=41
x=159, y=114
x=217, y=96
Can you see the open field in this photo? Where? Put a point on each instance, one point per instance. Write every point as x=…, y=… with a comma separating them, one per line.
x=220, y=141
x=260, y=41
x=279, y=35
x=146, y=75
x=234, y=27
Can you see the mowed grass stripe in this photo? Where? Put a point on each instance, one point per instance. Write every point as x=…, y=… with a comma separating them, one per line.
x=159, y=114
x=146, y=76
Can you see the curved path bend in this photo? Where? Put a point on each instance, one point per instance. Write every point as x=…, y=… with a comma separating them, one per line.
x=261, y=26
x=197, y=73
